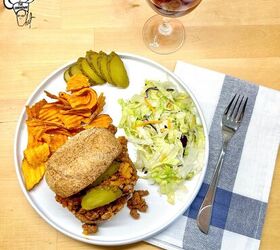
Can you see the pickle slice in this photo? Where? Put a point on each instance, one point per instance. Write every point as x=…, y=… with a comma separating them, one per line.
x=102, y=62
x=66, y=75
x=79, y=66
x=91, y=57
x=87, y=70
x=113, y=168
x=75, y=69
x=117, y=71
x=100, y=196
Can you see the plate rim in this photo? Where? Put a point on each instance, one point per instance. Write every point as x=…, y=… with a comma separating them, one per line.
x=115, y=242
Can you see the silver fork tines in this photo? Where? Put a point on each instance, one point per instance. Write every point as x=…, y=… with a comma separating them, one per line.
x=232, y=106
x=231, y=120
x=234, y=112
x=241, y=110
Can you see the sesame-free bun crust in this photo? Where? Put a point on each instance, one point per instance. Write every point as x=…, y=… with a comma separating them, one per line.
x=81, y=160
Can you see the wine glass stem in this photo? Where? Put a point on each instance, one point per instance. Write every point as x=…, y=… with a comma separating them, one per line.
x=165, y=28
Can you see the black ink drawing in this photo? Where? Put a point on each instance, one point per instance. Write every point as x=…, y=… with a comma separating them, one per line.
x=21, y=9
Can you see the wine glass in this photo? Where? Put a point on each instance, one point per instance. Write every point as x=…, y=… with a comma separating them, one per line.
x=165, y=35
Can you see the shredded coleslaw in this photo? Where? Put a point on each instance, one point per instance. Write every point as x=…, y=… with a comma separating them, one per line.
x=164, y=126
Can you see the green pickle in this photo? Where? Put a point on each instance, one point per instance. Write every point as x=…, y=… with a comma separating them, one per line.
x=89, y=72
x=100, y=68
x=113, y=168
x=117, y=71
x=75, y=69
x=100, y=196
x=91, y=57
x=66, y=75
x=102, y=62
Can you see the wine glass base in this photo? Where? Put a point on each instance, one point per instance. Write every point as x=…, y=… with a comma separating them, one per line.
x=163, y=35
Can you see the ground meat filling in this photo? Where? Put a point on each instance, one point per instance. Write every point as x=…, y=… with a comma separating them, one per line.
x=137, y=203
x=125, y=179
x=89, y=229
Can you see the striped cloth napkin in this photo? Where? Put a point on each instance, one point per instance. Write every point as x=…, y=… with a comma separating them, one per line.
x=245, y=181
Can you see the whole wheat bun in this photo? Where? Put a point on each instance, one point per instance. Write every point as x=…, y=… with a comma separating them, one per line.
x=81, y=160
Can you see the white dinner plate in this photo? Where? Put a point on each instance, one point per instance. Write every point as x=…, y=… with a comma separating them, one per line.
x=122, y=229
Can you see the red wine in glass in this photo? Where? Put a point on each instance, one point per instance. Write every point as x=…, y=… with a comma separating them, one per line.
x=163, y=33
x=173, y=8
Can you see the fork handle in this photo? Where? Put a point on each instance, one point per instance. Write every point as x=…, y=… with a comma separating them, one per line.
x=205, y=212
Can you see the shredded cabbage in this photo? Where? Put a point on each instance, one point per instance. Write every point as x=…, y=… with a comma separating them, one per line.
x=164, y=126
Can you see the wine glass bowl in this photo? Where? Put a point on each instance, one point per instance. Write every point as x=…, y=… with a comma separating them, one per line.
x=173, y=8
x=166, y=34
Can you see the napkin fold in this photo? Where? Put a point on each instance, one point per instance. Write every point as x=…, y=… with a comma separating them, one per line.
x=246, y=176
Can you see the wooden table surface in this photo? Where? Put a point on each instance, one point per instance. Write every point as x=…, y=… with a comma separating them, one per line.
x=240, y=38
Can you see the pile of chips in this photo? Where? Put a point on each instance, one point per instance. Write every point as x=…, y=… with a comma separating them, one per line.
x=50, y=124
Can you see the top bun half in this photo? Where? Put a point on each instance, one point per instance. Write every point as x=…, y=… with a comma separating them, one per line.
x=81, y=160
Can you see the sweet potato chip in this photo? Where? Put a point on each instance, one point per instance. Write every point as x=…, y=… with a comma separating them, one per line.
x=36, y=128
x=101, y=121
x=63, y=98
x=57, y=141
x=79, y=101
x=62, y=106
x=71, y=121
x=81, y=112
x=34, y=135
x=85, y=98
x=59, y=131
x=93, y=99
x=85, y=121
x=38, y=122
x=52, y=96
x=33, y=112
x=50, y=112
x=99, y=107
x=83, y=91
x=32, y=175
x=46, y=138
x=37, y=155
x=77, y=82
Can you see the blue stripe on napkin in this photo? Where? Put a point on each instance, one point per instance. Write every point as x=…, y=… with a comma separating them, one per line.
x=246, y=216
x=220, y=210
x=232, y=212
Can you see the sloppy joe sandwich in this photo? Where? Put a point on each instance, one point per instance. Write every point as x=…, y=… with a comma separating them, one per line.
x=92, y=175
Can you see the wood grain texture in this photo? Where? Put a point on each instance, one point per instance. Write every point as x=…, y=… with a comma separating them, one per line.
x=239, y=38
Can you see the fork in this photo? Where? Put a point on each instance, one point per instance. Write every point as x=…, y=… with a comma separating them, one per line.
x=231, y=120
